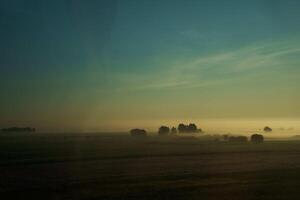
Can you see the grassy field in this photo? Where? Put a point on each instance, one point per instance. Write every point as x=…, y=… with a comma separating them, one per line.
x=74, y=166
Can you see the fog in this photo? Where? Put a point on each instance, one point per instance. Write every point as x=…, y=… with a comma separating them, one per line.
x=282, y=127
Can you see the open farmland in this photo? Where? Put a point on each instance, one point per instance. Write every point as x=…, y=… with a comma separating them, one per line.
x=74, y=166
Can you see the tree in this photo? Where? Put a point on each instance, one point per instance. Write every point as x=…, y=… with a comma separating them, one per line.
x=138, y=132
x=173, y=130
x=181, y=128
x=257, y=138
x=267, y=129
x=163, y=130
x=192, y=128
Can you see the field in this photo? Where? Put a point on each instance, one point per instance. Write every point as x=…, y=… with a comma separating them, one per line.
x=74, y=166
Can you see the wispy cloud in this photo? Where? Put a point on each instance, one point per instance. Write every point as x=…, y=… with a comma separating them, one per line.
x=216, y=69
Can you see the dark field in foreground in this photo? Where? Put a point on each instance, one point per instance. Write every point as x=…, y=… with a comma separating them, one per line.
x=121, y=167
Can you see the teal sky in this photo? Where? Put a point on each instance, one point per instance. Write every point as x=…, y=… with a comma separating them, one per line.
x=98, y=65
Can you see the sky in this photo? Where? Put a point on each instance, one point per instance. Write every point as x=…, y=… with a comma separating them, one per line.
x=102, y=65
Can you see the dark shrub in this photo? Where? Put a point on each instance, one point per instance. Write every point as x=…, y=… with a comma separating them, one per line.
x=257, y=138
x=138, y=132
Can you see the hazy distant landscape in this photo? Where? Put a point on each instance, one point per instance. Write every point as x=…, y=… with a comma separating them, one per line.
x=282, y=127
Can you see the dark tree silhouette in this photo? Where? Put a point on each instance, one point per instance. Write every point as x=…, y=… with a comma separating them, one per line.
x=267, y=129
x=173, y=130
x=163, y=130
x=191, y=128
x=138, y=132
x=257, y=138
x=181, y=128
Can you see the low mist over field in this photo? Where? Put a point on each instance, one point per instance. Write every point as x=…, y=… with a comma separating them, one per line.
x=281, y=127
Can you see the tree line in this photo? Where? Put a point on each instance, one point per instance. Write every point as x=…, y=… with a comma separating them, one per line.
x=192, y=128
x=165, y=130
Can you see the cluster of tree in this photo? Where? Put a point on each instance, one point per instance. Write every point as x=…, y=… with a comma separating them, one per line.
x=164, y=130
x=191, y=128
x=255, y=138
x=267, y=129
x=138, y=132
x=18, y=129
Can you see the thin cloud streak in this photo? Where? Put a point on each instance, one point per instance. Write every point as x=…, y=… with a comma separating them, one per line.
x=225, y=66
